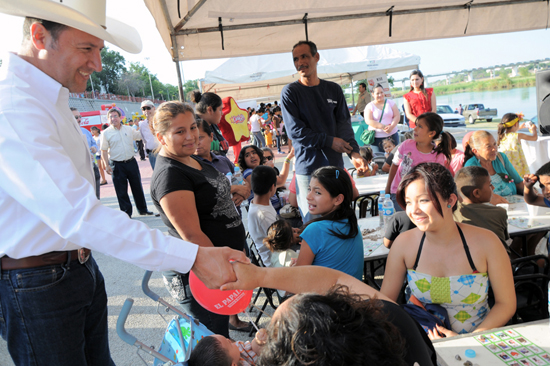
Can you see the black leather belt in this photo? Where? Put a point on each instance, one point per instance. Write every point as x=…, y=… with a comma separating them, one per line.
x=45, y=259
x=125, y=161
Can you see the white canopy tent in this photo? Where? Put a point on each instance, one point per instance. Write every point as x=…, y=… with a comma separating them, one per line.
x=204, y=29
x=265, y=76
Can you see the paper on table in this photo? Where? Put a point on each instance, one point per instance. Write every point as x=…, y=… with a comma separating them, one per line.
x=524, y=223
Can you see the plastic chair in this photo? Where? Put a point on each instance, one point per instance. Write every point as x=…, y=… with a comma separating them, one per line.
x=531, y=285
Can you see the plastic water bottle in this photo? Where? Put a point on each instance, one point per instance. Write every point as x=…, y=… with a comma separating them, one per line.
x=230, y=177
x=381, y=199
x=238, y=176
x=388, y=210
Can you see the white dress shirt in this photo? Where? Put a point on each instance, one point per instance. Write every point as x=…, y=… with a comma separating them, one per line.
x=119, y=142
x=151, y=141
x=47, y=191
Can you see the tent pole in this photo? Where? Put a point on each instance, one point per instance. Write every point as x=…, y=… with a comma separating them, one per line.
x=180, y=84
x=352, y=92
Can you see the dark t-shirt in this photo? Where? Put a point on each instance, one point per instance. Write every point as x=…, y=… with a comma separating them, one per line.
x=399, y=223
x=418, y=346
x=219, y=219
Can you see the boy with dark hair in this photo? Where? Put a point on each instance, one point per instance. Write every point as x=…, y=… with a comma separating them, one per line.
x=261, y=213
x=220, y=351
x=529, y=180
x=475, y=190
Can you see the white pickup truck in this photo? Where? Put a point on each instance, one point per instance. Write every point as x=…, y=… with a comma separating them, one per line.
x=473, y=112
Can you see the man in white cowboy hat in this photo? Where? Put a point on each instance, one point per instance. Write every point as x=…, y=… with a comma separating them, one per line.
x=53, y=305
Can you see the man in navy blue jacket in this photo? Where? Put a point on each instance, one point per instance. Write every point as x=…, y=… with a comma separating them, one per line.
x=317, y=121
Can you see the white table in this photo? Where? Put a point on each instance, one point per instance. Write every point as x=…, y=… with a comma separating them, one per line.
x=371, y=185
x=380, y=253
x=539, y=219
x=537, y=153
x=537, y=332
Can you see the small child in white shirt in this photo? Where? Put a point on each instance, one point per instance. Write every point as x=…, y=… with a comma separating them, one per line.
x=281, y=236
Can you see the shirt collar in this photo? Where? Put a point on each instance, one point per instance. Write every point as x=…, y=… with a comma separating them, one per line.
x=50, y=89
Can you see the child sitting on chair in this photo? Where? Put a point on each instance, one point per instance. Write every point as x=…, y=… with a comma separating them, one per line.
x=261, y=213
x=475, y=190
x=216, y=350
x=281, y=237
x=366, y=153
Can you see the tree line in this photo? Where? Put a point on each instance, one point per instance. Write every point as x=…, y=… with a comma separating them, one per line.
x=132, y=78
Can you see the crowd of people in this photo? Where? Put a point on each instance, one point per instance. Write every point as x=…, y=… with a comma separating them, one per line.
x=54, y=303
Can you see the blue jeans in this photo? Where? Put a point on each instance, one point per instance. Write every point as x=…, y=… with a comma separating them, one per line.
x=152, y=158
x=259, y=139
x=55, y=315
x=396, y=206
x=302, y=185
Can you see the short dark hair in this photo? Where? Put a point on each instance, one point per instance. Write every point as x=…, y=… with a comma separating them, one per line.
x=204, y=126
x=114, y=110
x=338, y=328
x=312, y=46
x=206, y=100
x=436, y=178
x=544, y=170
x=209, y=352
x=279, y=236
x=363, y=85
x=469, y=178
x=54, y=28
x=366, y=153
x=263, y=178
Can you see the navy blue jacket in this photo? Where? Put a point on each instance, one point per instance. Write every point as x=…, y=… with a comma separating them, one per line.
x=313, y=116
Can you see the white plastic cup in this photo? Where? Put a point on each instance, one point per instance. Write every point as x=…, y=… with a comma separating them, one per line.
x=532, y=210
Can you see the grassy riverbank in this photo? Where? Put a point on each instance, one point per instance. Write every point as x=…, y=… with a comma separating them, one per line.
x=480, y=85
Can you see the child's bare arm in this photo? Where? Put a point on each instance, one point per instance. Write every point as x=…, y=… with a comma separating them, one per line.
x=259, y=341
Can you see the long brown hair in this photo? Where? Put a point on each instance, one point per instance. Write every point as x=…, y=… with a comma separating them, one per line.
x=419, y=73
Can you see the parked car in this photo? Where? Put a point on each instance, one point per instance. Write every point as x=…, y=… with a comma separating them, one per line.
x=474, y=112
x=450, y=118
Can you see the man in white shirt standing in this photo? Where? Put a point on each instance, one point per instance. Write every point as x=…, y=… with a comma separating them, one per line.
x=150, y=141
x=118, y=140
x=52, y=295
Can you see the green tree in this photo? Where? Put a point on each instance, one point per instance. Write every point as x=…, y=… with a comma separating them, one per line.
x=523, y=71
x=114, y=65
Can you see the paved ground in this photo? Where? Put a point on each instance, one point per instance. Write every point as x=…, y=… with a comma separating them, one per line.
x=123, y=280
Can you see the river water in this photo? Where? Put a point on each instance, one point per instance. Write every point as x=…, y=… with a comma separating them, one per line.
x=506, y=101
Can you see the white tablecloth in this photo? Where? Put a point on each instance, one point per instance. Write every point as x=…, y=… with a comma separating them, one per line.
x=371, y=185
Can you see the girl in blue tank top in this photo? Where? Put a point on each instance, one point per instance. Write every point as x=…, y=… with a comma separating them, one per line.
x=332, y=240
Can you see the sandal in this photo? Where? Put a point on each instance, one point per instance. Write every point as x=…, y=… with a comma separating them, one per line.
x=248, y=328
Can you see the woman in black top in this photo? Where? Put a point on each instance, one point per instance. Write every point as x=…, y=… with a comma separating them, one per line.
x=193, y=199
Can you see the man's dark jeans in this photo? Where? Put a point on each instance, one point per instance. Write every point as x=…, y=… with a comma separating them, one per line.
x=55, y=315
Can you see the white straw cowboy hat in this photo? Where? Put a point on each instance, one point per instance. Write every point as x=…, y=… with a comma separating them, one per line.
x=85, y=15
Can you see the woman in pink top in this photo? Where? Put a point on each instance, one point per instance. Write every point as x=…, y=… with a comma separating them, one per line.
x=419, y=100
x=387, y=127
x=421, y=149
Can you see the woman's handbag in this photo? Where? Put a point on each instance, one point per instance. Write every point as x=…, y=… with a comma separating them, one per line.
x=367, y=137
